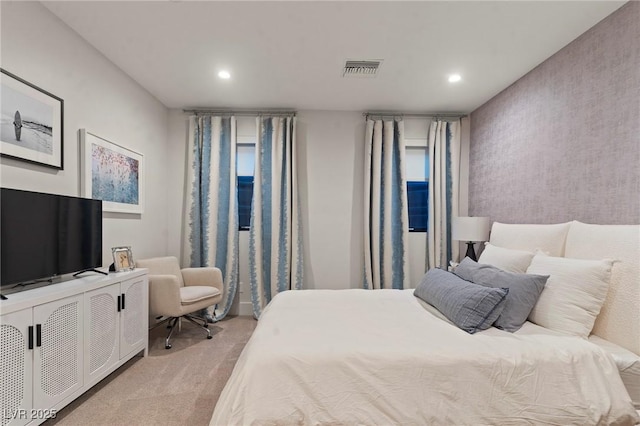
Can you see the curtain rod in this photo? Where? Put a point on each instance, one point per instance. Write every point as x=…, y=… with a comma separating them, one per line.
x=239, y=112
x=409, y=114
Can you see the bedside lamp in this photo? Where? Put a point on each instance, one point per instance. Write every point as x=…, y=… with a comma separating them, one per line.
x=471, y=230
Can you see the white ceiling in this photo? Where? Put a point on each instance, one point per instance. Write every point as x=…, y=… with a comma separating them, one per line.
x=291, y=54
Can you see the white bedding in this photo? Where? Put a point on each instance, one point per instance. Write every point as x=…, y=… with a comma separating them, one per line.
x=628, y=366
x=379, y=357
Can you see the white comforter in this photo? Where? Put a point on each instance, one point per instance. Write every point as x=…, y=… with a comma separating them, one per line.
x=380, y=358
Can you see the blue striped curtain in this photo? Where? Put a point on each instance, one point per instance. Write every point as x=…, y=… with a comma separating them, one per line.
x=444, y=183
x=211, y=234
x=386, y=219
x=275, y=237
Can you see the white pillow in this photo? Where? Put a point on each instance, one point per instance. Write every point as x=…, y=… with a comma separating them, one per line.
x=573, y=295
x=548, y=238
x=506, y=259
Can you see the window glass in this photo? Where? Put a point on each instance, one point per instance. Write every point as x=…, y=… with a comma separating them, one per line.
x=245, y=195
x=416, y=163
x=417, y=175
x=418, y=200
x=245, y=161
x=245, y=164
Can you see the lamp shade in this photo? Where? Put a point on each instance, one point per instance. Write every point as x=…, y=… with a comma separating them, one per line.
x=470, y=228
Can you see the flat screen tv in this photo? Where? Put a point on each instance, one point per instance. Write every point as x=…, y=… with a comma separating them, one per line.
x=45, y=235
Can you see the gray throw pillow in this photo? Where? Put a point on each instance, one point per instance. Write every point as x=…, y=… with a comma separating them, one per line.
x=469, y=306
x=524, y=290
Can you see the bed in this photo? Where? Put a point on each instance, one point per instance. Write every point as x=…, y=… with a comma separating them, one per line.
x=387, y=357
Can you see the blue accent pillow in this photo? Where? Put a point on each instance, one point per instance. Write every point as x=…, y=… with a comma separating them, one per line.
x=469, y=306
x=524, y=290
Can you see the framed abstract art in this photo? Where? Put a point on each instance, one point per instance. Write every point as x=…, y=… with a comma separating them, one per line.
x=111, y=173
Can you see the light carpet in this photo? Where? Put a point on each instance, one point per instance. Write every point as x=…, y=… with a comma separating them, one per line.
x=178, y=386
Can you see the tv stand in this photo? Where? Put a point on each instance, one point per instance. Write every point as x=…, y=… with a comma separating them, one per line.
x=89, y=270
x=65, y=338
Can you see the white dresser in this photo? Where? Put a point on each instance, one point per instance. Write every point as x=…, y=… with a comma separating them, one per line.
x=58, y=341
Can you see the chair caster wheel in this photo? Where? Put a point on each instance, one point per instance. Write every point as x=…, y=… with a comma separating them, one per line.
x=167, y=346
x=209, y=337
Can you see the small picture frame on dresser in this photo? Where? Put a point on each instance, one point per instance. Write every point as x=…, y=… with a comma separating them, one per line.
x=123, y=259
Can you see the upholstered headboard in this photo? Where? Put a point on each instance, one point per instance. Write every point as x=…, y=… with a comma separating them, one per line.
x=619, y=319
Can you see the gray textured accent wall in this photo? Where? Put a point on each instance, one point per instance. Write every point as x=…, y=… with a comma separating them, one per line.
x=563, y=142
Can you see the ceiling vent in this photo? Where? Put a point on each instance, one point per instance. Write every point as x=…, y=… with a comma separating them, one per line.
x=361, y=68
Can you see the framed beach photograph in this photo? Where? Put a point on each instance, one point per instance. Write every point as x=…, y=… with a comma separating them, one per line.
x=123, y=259
x=31, y=127
x=111, y=173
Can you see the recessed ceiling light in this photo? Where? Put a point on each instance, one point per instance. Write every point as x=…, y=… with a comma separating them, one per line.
x=224, y=75
x=454, y=78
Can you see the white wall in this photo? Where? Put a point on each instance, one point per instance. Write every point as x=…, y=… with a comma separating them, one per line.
x=331, y=159
x=98, y=96
x=178, y=128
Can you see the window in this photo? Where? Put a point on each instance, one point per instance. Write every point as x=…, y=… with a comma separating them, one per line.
x=417, y=166
x=245, y=166
x=245, y=195
x=418, y=200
